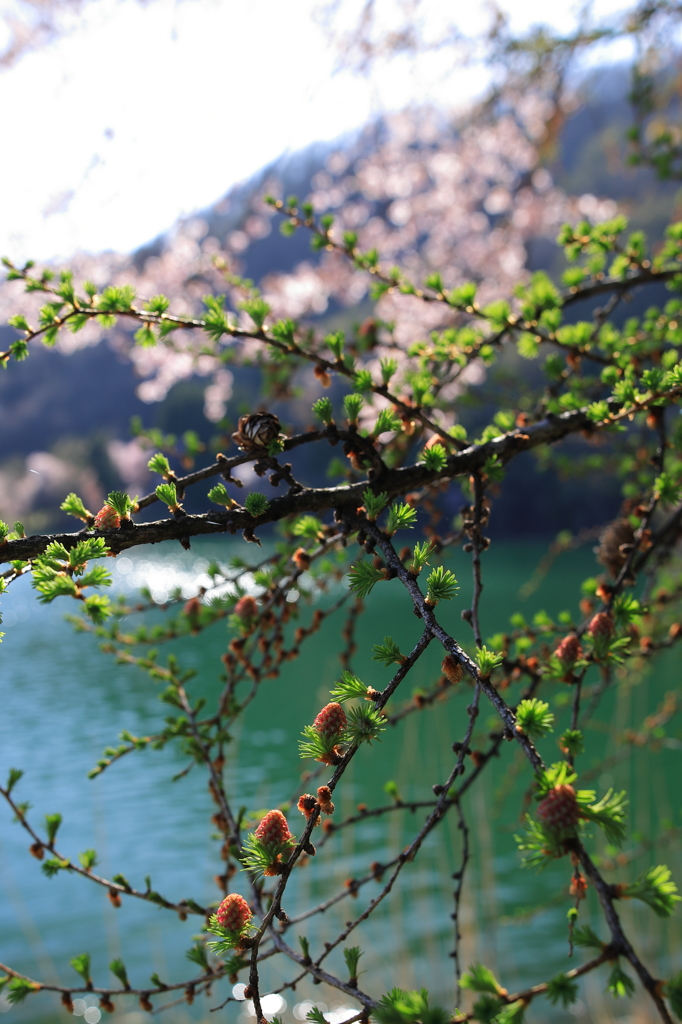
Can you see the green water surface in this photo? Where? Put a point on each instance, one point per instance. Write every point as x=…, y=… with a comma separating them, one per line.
x=63, y=701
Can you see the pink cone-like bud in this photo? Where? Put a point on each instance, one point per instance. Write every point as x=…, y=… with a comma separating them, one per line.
x=273, y=829
x=107, y=519
x=601, y=625
x=246, y=608
x=234, y=912
x=569, y=651
x=559, y=811
x=331, y=720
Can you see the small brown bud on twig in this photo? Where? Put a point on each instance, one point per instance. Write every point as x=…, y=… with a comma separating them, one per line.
x=451, y=669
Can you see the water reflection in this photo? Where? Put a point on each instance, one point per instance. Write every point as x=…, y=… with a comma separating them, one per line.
x=64, y=702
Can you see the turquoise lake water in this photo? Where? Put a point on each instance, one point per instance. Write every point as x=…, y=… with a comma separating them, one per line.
x=63, y=701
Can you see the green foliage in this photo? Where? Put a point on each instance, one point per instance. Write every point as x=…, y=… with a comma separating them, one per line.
x=18, y=989
x=168, y=494
x=363, y=382
x=480, y=978
x=73, y=506
x=53, y=865
x=258, y=310
x=159, y=464
x=256, y=504
x=323, y=409
x=513, y=1013
x=362, y=578
x=388, y=653
x=400, y=1007
x=227, y=940
x=365, y=724
x=351, y=955
x=673, y=992
x=389, y=367
x=88, y=859
x=374, y=503
x=352, y=405
x=348, y=688
x=81, y=964
x=316, y=1016
x=118, y=969
x=386, y=421
x=13, y=777
x=572, y=742
x=434, y=458
x=308, y=526
x=534, y=717
x=319, y=747
x=335, y=343
x=441, y=585
x=562, y=990
x=486, y=1008
x=420, y=556
x=619, y=983
x=487, y=660
x=609, y=814
x=52, y=823
x=655, y=888
x=258, y=857
x=219, y=496
x=400, y=517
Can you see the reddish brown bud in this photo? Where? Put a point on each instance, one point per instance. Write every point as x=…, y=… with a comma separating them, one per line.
x=36, y=850
x=106, y=1004
x=324, y=798
x=301, y=559
x=192, y=608
x=146, y=1003
x=578, y=887
x=558, y=810
x=675, y=630
x=114, y=898
x=352, y=885
x=67, y=1002
x=323, y=376
x=306, y=805
x=451, y=669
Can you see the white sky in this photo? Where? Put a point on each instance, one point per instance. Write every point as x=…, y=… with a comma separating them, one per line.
x=142, y=114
